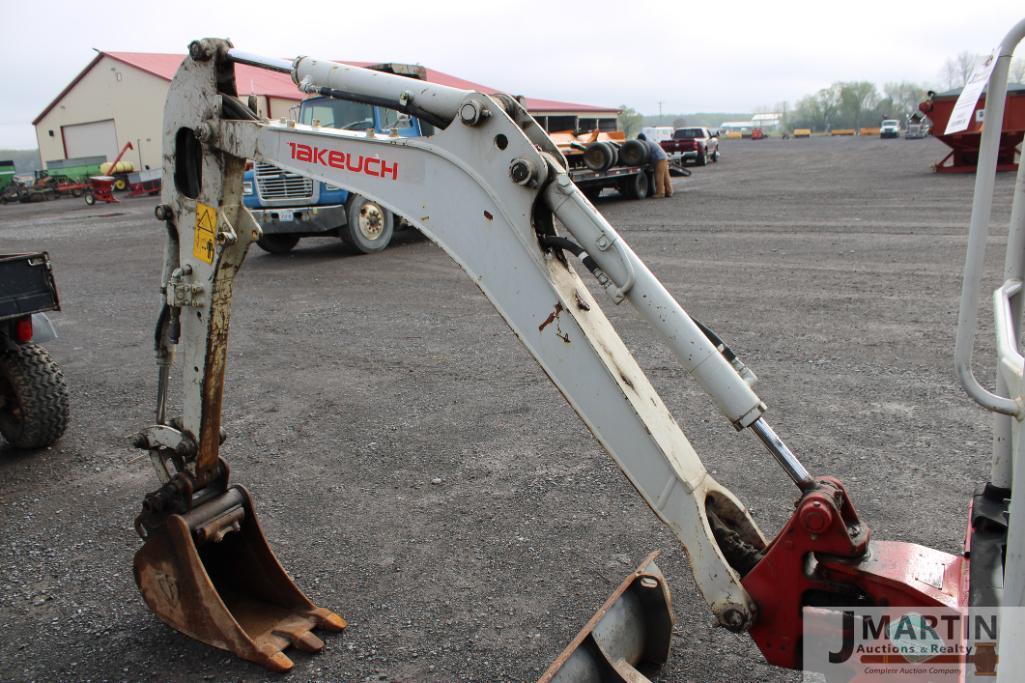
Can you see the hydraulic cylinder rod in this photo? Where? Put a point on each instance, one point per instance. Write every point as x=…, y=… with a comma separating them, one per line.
x=271, y=63
x=784, y=456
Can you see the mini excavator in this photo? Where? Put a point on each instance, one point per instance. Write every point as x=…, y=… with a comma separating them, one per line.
x=523, y=231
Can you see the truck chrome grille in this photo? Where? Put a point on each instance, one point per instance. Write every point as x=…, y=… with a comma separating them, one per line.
x=276, y=183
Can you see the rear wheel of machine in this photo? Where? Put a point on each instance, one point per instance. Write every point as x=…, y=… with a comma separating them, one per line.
x=90, y=199
x=636, y=186
x=369, y=227
x=277, y=244
x=120, y=184
x=33, y=397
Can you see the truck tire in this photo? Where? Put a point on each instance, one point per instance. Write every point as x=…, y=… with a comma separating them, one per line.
x=369, y=226
x=633, y=153
x=702, y=158
x=33, y=397
x=277, y=244
x=599, y=156
x=637, y=186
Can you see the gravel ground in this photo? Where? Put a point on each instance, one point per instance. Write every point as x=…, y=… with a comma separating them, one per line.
x=356, y=383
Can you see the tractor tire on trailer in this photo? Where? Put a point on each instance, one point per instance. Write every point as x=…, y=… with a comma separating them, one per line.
x=633, y=153
x=369, y=226
x=600, y=156
x=33, y=397
x=277, y=244
x=637, y=186
x=120, y=184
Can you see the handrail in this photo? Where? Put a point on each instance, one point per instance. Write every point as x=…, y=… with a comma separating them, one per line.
x=1009, y=358
x=982, y=205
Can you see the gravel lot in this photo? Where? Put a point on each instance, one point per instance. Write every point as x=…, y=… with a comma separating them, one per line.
x=833, y=267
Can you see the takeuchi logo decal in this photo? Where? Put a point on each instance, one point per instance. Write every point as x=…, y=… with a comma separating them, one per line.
x=354, y=163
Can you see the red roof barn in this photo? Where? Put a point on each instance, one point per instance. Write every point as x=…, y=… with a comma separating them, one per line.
x=119, y=98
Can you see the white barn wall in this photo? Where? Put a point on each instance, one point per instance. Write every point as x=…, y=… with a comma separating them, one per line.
x=135, y=100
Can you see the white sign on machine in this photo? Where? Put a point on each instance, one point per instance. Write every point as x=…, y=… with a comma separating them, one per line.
x=965, y=105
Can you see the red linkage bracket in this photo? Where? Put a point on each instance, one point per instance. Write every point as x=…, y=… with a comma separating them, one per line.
x=823, y=557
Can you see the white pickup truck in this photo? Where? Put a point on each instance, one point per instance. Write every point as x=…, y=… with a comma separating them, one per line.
x=890, y=128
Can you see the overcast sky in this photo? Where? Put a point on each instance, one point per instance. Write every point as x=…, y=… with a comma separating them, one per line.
x=735, y=55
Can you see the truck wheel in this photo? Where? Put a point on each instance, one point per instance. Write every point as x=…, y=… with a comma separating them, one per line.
x=636, y=186
x=702, y=158
x=277, y=244
x=369, y=227
x=633, y=153
x=600, y=156
x=33, y=397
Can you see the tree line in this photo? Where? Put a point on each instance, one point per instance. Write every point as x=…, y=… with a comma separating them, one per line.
x=846, y=104
x=854, y=104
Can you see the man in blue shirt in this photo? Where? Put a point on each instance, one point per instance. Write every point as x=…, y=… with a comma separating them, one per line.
x=660, y=161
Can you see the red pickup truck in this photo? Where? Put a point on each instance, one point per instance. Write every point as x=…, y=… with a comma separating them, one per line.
x=697, y=145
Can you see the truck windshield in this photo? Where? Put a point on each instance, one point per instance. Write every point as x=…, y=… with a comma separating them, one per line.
x=889, y=122
x=332, y=113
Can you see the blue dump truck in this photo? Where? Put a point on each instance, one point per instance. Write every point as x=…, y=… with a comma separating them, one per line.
x=289, y=206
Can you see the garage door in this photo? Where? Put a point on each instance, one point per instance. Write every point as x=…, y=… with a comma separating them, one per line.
x=90, y=140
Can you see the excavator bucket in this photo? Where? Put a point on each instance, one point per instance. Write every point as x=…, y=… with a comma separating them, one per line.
x=210, y=574
x=627, y=639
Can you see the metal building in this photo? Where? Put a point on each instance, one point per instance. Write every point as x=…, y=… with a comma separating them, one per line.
x=119, y=98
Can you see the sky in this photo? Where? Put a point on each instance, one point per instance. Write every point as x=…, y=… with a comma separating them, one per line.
x=731, y=56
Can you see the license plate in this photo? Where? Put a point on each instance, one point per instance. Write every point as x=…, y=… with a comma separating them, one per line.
x=286, y=215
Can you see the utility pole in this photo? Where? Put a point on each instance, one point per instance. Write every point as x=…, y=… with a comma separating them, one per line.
x=660, y=111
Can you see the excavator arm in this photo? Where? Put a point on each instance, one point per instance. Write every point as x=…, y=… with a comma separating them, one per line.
x=492, y=190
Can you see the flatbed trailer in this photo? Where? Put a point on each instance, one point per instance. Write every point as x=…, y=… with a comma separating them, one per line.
x=633, y=182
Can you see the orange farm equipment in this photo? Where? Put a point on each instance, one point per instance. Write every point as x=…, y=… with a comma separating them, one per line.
x=964, y=145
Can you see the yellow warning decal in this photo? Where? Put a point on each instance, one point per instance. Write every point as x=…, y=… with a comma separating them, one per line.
x=206, y=229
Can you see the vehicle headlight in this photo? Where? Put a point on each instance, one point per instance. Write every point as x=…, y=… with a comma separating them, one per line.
x=247, y=187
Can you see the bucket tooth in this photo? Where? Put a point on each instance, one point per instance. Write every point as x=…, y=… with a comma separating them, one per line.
x=627, y=639
x=210, y=574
